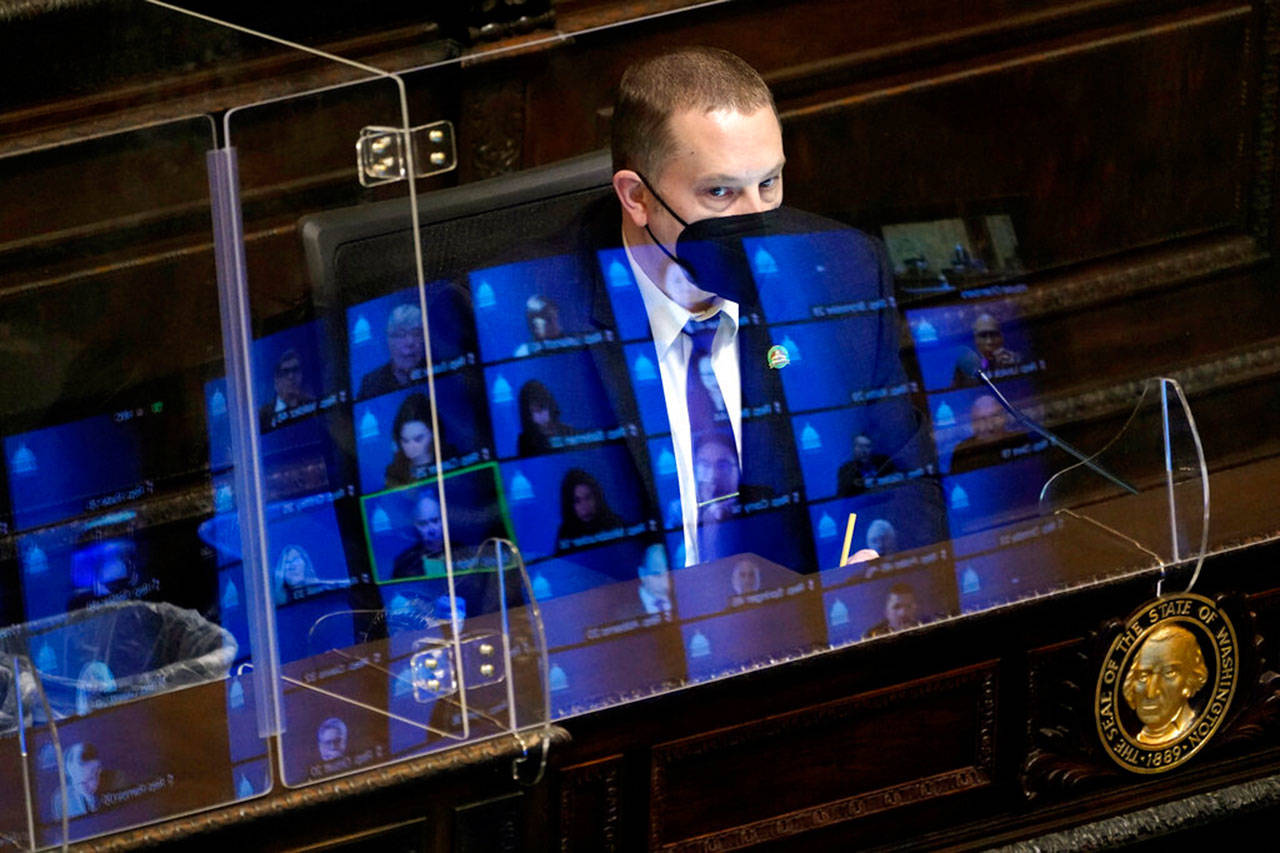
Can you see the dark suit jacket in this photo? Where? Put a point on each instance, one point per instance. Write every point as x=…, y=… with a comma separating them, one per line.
x=852, y=479
x=597, y=227
x=382, y=380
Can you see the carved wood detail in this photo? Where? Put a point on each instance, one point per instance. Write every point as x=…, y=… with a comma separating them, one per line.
x=850, y=808
x=282, y=801
x=1253, y=363
x=491, y=826
x=491, y=129
x=1262, y=197
x=973, y=683
x=1096, y=283
x=591, y=791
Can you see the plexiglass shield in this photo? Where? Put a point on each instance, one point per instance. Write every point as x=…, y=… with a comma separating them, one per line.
x=393, y=605
x=120, y=594
x=413, y=447
x=32, y=762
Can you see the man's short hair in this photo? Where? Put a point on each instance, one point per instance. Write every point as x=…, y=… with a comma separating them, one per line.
x=537, y=305
x=286, y=357
x=404, y=317
x=880, y=527
x=335, y=724
x=654, y=89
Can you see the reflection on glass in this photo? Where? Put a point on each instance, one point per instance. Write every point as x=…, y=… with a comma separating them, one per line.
x=711, y=437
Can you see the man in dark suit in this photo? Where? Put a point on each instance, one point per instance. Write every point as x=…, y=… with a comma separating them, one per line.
x=696, y=143
x=863, y=468
x=475, y=586
x=901, y=611
x=698, y=156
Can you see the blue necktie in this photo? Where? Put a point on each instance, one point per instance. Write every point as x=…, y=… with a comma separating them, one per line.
x=716, y=469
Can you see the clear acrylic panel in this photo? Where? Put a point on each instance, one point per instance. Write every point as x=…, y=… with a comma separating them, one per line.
x=294, y=513
x=115, y=587
x=396, y=414
x=372, y=502
x=32, y=764
x=423, y=677
x=878, y=483
x=1158, y=453
x=449, y=659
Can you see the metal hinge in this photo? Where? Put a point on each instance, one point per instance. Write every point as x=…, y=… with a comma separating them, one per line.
x=433, y=669
x=381, y=152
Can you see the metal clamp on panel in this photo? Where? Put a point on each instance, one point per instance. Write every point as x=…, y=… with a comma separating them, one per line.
x=381, y=152
x=433, y=669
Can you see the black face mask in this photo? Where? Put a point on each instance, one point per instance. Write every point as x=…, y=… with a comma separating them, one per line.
x=677, y=217
x=710, y=250
x=712, y=253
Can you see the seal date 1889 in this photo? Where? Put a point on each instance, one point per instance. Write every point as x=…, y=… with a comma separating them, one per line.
x=1166, y=683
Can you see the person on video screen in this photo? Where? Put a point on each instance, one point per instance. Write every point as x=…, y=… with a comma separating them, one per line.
x=331, y=739
x=539, y=419
x=655, y=580
x=745, y=578
x=427, y=552
x=717, y=474
x=476, y=586
x=85, y=782
x=584, y=510
x=289, y=381
x=882, y=537
x=862, y=469
x=989, y=349
x=991, y=438
x=543, y=317
x=414, y=457
x=407, y=354
x=295, y=575
x=649, y=594
x=901, y=611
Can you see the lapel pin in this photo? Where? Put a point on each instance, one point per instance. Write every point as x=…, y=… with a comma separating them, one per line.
x=777, y=357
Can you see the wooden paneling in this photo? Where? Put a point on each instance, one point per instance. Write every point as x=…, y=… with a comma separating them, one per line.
x=1133, y=142
x=590, y=806
x=1115, y=140
x=800, y=47
x=825, y=764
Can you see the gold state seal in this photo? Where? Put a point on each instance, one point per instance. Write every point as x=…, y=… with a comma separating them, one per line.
x=1166, y=683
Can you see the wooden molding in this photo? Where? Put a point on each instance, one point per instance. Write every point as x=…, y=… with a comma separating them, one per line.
x=671, y=762
x=283, y=800
x=593, y=790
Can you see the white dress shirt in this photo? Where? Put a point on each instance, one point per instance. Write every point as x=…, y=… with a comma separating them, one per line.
x=652, y=604
x=666, y=321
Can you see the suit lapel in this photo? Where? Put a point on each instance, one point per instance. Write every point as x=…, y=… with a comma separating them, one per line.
x=601, y=230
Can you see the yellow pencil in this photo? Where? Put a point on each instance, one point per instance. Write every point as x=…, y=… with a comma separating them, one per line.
x=848, y=539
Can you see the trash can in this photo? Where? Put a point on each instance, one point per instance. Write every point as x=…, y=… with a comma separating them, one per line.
x=109, y=653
